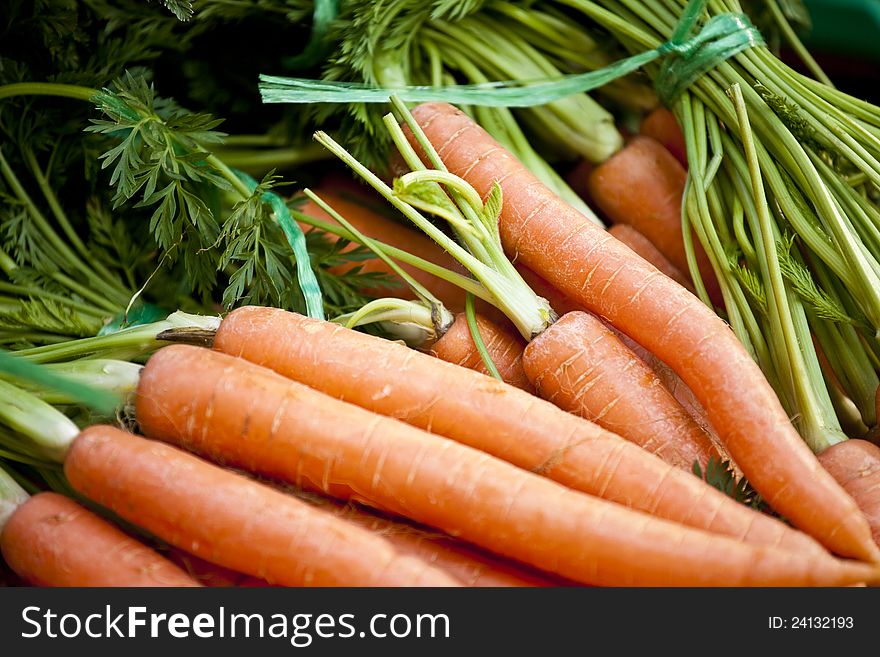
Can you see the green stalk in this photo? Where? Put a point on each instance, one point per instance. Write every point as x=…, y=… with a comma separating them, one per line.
x=530, y=313
x=50, y=431
x=276, y=158
x=477, y=337
x=518, y=302
x=46, y=89
x=442, y=317
x=12, y=496
x=817, y=418
x=128, y=343
x=61, y=218
x=117, y=377
x=58, y=244
x=410, y=321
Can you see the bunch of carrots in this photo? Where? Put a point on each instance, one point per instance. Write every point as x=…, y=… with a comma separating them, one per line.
x=535, y=400
x=274, y=457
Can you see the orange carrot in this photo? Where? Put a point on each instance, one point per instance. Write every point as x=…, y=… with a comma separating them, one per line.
x=856, y=465
x=558, y=301
x=676, y=387
x=210, y=574
x=608, y=384
x=605, y=382
x=469, y=565
x=479, y=411
x=50, y=540
x=578, y=178
x=643, y=246
x=233, y=521
x=661, y=125
x=673, y=383
x=593, y=268
x=642, y=185
x=504, y=346
x=252, y=418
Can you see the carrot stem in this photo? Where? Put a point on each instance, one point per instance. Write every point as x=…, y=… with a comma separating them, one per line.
x=819, y=425
x=50, y=430
x=478, y=338
x=12, y=496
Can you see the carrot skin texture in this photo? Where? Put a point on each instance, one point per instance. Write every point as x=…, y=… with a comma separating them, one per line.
x=646, y=249
x=593, y=268
x=466, y=564
x=486, y=414
x=643, y=185
x=662, y=126
x=582, y=367
x=684, y=395
x=288, y=431
x=51, y=540
x=855, y=464
x=505, y=347
x=230, y=520
x=210, y=574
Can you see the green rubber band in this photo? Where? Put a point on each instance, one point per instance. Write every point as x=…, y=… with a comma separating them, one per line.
x=308, y=283
x=721, y=38
x=687, y=56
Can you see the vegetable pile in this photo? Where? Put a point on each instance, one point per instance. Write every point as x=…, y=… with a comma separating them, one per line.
x=533, y=293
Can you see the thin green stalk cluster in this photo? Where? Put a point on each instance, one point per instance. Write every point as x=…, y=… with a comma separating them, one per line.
x=782, y=195
x=442, y=43
x=433, y=190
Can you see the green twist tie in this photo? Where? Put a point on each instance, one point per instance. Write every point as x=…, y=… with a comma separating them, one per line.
x=721, y=38
x=687, y=58
x=305, y=276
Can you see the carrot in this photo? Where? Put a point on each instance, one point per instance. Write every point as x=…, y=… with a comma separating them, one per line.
x=608, y=384
x=856, y=465
x=505, y=348
x=490, y=416
x=252, y=418
x=661, y=125
x=469, y=565
x=678, y=435
x=558, y=301
x=210, y=574
x=642, y=185
x=643, y=246
x=593, y=268
x=673, y=383
x=50, y=540
x=578, y=177
x=231, y=520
